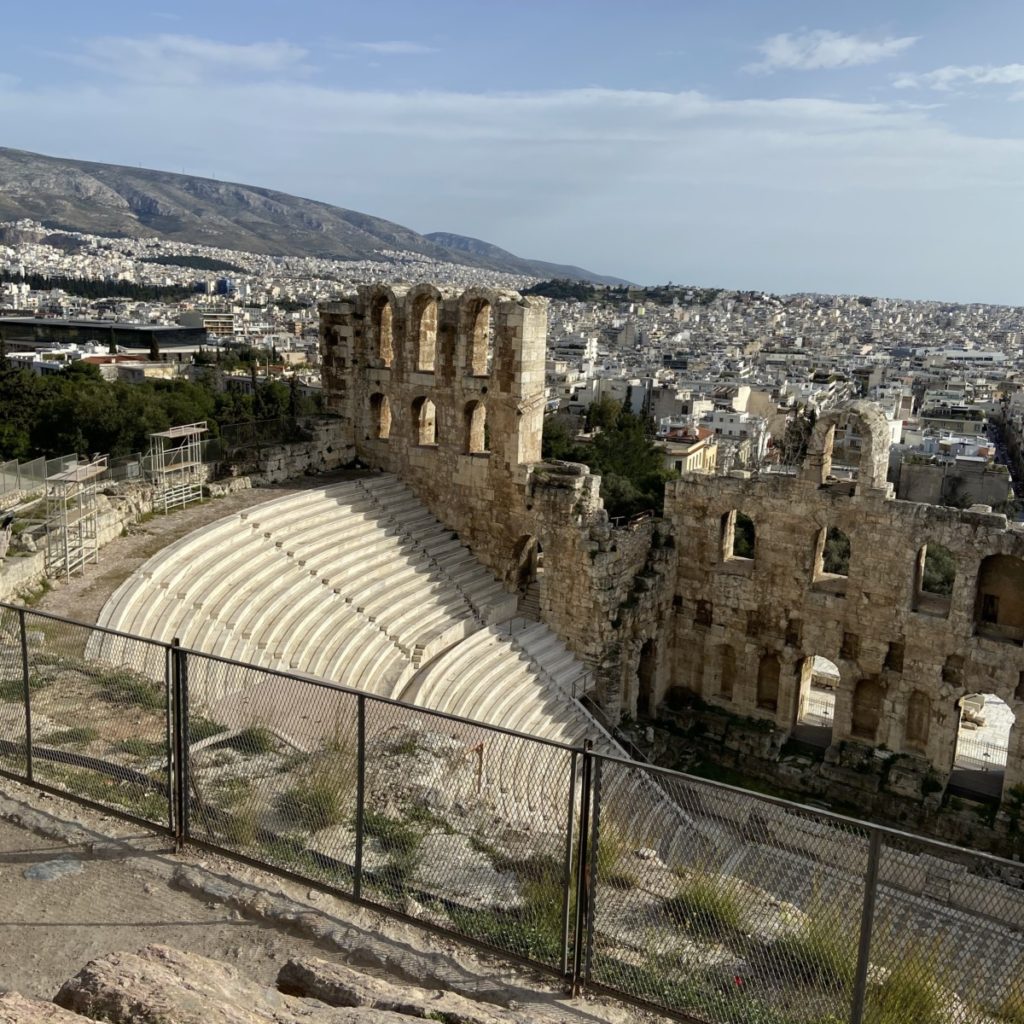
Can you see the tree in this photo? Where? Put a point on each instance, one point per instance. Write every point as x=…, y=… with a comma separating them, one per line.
x=603, y=413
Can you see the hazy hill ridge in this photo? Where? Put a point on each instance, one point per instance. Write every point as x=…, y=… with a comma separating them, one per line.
x=107, y=199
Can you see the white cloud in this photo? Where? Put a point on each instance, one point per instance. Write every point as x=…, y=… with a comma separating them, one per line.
x=790, y=194
x=948, y=78
x=395, y=48
x=179, y=58
x=820, y=49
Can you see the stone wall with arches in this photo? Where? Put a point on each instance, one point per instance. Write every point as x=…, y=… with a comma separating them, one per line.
x=446, y=389
x=906, y=651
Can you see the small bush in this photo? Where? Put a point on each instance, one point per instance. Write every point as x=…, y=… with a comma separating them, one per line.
x=824, y=947
x=256, y=739
x=910, y=992
x=613, y=857
x=12, y=688
x=201, y=728
x=125, y=688
x=708, y=903
x=76, y=735
x=316, y=801
x=1011, y=1009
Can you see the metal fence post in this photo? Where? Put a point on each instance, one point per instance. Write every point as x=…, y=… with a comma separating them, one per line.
x=582, y=870
x=567, y=866
x=180, y=677
x=171, y=738
x=27, y=692
x=357, y=881
x=867, y=919
x=595, y=846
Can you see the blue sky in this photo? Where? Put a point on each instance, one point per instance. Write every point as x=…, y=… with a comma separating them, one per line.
x=818, y=146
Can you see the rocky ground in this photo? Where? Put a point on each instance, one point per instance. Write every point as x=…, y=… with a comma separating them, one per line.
x=79, y=886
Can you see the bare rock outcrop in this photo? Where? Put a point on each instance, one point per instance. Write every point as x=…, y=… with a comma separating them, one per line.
x=338, y=985
x=162, y=984
x=18, y=1009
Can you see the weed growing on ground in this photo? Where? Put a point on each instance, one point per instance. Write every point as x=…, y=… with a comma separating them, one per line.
x=201, y=728
x=76, y=735
x=910, y=991
x=256, y=739
x=708, y=903
x=824, y=946
x=142, y=749
x=126, y=688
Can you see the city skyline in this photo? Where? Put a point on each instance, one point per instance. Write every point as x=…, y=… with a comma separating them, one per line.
x=805, y=148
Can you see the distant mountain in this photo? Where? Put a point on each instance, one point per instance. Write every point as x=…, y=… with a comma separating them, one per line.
x=486, y=255
x=106, y=199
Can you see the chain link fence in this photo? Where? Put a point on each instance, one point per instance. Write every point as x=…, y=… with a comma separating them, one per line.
x=699, y=900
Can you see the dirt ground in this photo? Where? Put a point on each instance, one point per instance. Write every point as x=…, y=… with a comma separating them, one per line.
x=50, y=929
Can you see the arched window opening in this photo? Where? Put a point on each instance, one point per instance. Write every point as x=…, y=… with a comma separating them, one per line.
x=726, y=671
x=646, y=675
x=999, y=607
x=768, y=673
x=833, y=556
x=919, y=720
x=425, y=333
x=738, y=535
x=380, y=416
x=381, y=322
x=816, y=701
x=527, y=560
x=868, y=696
x=934, y=576
x=480, y=338
x=982, y=746
x=475, y=416
x=424, y=418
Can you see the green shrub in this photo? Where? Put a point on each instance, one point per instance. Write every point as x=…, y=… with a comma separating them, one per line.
x=824, y=947
x=316, y=801
x=125, y=688
x=1011, y=1009
x=201, y=728
x=256, y=739
x=909, y=993
x=709, y=903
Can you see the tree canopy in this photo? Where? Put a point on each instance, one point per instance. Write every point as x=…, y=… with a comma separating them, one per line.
x=631, y=467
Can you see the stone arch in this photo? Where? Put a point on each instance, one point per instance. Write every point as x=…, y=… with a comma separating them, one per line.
x=382, y=328
x=832, y=553
x=875, y=436
x=424, y=418
x=769, y=671
x=647, y=677
x=814, y=711
x=726, y=671
x=739, y=536
x=983, y=744
x=934, y=576
x=478, y=330
x=919, y=721
x=380, y=417
x=423, y=324
x=475, y=428
x=999, y=605
x=527, y=561
x=866, y=711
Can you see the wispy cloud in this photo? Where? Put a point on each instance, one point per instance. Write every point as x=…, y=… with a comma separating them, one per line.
x=951, y=77
x=821, y=49
x=180, y=58
x=395, y=48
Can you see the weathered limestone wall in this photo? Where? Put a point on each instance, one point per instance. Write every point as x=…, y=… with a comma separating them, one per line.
x=446, y=390
x=742, y=628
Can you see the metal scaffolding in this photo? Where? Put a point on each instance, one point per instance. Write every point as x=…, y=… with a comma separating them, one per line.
x=71, y=517
x=176, y=465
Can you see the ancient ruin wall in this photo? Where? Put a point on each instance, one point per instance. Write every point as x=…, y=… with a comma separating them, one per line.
x=446, y=390
x=742, y=628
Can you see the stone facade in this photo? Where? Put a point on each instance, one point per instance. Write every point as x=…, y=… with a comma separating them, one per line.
x=446, y=390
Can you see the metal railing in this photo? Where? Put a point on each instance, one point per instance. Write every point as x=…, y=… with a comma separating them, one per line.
x=28, y=478
x=696, y=899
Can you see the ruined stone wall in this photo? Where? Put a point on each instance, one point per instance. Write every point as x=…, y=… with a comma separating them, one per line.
x=473, y=455
x=743, y=627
